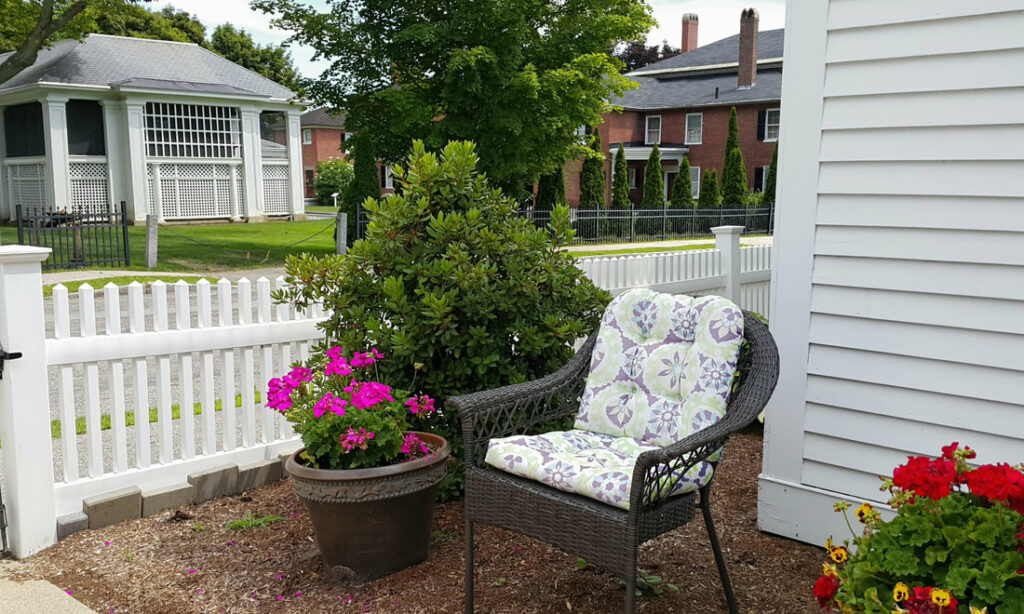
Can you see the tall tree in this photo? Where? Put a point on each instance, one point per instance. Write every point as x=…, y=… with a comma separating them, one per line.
x=732, y=141
x=365, y=180
x=272, y=61
x=139, y=22
x=734, y=181
x=592, y=174
x=550, y=192
x=637, y=54
x=654, y=183
x=43, y=19
x=682, y=195
x=769, y=183
x=707, y=203
x=517, y=78
x=620, y=194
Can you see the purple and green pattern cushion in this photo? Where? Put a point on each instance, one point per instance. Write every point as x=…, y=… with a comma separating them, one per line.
x=662, y=367
x=590, y=464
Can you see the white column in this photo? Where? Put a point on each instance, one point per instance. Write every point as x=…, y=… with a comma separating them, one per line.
x=5, y=212
x=55, y=134
x=135, y=179
x=294, y=133
x=252, y=164
x=24, y=404
x=727, y=240
x=115, y=132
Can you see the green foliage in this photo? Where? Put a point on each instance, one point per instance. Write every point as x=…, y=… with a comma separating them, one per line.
x=592, y=186
x=550, y=191
x=957, y=543
x=197, y=527
x=450, y=277
x=251, y=521
x=620, y=183
x=682, y=197
x=365, y=180
x=654, y=183
x=769, y=183
x=517, y=78
x=333, y=176
x=707, y=203
x=272, y=61
x=732, y=141
x=123, y=19
x=734, y=183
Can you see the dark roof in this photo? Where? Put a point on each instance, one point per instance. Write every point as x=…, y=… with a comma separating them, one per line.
x=725, y=51
x=699, y=91
x=111, y=60
x=323, y=118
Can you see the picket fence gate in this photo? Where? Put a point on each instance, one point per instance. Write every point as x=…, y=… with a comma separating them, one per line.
x=125, y=349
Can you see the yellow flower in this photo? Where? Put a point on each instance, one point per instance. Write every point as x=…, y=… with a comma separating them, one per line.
x=940, y=597
x=901, y=592
x=829, y=570
x=864, y=512
x=828, y=543
x=975, y=610
x=840, y=554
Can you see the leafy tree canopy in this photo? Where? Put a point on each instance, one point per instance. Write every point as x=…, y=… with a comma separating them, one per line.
x=518, y=77
x=637, y=54
x=272, y=61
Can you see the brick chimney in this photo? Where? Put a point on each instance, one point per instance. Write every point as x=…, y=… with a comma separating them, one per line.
x=689, y=33
x=748, y=48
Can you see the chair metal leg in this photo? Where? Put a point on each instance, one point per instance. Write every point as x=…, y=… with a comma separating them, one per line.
x=705, y=508
x=630, y=607
x=469, y=566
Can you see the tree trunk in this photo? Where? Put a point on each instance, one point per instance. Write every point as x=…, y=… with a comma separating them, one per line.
x=45, y=26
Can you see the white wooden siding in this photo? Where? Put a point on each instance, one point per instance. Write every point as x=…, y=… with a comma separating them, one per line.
x=906, y=195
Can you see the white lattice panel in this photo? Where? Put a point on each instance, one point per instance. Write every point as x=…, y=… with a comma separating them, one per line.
x=275, y=189
x=194, y=191
x=150, y=197
x=90, y=189
x=27, y=184
x=192, y=131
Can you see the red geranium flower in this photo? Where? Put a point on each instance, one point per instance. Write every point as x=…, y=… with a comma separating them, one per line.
x=825, y=590
x=998, y=483
x=947, y=451
x=926, y=477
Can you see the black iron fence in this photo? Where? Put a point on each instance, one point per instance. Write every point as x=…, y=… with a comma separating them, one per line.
x=616, y=226
x=78, y=238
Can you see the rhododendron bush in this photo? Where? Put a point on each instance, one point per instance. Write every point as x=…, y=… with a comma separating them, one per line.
x=955, y=546
x=346, y=418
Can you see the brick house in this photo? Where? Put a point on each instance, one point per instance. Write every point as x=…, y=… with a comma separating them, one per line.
x=322, y=136
x=683, y=105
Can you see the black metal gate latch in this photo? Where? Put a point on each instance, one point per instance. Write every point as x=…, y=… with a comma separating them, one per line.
x=7, y=356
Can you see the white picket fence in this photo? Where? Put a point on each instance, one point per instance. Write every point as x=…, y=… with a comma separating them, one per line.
x=100, y=355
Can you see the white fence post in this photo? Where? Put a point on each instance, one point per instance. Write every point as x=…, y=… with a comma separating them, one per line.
x=26, y=454
x=727, y=241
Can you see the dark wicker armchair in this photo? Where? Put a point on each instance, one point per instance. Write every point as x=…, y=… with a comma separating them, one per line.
x=602, y=534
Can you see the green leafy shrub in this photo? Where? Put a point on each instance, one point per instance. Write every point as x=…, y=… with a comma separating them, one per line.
x=332, y=177
x=450, y=277
x=954, y=547
x=682, y=198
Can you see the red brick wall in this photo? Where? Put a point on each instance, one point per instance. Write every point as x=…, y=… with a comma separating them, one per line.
x=628, y=127
x=326, y=144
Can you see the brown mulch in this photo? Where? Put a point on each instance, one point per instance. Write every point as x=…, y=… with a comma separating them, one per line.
x=187, y=561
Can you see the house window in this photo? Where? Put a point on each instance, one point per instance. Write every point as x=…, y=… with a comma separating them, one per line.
x=694, y=128
x=389, y=178
x=346, y=136
x=85, y=128
x=307, y=137
x=668, y=179
x=761, y=178
x=695, y=181
x=653, y=130
x=192, y=131
x=771, y=125
x=23, y=128
x=631, y=178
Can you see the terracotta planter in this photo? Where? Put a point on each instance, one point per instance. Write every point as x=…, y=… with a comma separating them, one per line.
x=372, y=522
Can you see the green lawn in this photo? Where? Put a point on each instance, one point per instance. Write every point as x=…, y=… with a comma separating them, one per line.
x=319, y=209
x=124, y=280
x=641, y=250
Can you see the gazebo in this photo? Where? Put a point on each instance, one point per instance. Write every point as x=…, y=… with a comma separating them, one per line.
x=170, y=128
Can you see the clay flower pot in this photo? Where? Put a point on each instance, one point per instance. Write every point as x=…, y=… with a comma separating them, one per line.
x=370, y=523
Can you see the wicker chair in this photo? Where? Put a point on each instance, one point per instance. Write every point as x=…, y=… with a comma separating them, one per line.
x=602, y=534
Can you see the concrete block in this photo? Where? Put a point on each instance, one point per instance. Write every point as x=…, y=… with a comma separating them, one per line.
x=69, y=524
x=214, y=482
x=113, y=507
x=160, y=499
x=257, y=474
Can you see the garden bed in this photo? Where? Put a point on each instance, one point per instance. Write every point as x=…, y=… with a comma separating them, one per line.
x=188, y=561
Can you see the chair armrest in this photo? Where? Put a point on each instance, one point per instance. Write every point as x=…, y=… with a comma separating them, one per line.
x=513, y=409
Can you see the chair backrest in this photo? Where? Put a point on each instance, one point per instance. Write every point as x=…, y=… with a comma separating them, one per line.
x=662, y=367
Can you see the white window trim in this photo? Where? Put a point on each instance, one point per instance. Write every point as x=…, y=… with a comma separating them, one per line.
x=389, y=178
x=631, y=178
x=695, y=185
x=686, y=129
x=647, y=129
x=307, y=136
x=764, y=177
x=777, y=124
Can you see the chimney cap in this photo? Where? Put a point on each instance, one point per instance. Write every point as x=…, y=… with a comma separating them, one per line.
x=749, y=14
x=690, y=17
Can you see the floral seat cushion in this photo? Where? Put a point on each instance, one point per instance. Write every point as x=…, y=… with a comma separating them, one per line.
x=594, y=465
x=661, y=370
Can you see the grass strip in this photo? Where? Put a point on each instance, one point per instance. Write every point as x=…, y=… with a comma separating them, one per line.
x=124, y=280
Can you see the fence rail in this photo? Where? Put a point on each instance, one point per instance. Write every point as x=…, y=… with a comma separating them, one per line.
x=78, y=238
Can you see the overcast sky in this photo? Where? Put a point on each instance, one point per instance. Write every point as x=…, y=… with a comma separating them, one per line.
x=718, y=19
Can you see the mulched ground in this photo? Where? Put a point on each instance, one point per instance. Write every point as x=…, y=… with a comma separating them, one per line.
x=187, y=561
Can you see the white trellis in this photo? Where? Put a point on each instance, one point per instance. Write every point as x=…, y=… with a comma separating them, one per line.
x=90, y=185
x=276, y=188
x=26, y=180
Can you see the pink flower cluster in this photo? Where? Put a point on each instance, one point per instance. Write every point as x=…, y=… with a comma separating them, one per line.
x=339, y=364
x=329, y=402
x=367, y=394
x=414, y=446
x=279, y=389
x=360, y=359
x=420, y=404
x=355, y=439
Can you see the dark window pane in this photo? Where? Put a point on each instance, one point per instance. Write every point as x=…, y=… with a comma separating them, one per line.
x=85, y=128
x=23, y=127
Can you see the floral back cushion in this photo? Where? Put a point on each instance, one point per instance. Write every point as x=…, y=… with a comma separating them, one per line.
x=663, y=366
